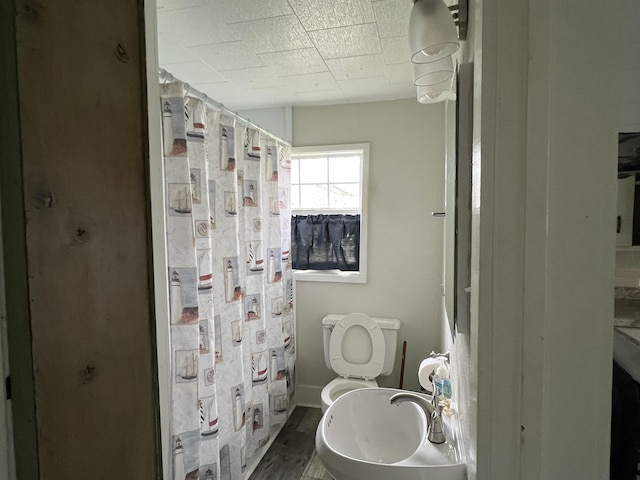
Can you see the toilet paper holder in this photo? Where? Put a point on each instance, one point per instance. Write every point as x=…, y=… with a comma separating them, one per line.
x=447, y=355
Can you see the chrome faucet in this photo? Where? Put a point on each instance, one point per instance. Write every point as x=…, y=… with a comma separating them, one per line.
x=435, y=433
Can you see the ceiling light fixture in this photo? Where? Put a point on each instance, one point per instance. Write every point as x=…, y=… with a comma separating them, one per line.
x=425, y=74
x=433, y=39
x=438, y=92
x=432, y=30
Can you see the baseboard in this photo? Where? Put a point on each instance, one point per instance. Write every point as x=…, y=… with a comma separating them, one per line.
x=308, y=396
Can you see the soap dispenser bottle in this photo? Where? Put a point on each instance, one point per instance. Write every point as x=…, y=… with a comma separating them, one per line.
x=446, y=387
x=438, y=378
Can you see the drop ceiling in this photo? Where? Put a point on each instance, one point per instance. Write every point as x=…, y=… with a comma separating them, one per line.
x=272, y=53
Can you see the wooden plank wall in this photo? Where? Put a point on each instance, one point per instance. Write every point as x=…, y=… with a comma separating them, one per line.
x=82, y=119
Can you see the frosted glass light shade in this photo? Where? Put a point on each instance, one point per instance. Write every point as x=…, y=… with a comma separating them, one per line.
x=425, y=74
x=438, y=92
x=432, y=31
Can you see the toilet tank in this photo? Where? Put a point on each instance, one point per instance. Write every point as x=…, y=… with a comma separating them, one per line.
x=389, y=327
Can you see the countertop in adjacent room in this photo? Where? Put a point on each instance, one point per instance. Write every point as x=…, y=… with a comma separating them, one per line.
x=626, y=350
x=626, y=338
x=626, y=313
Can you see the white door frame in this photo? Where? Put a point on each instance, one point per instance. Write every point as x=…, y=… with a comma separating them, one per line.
x=7, y=458
x=159, y=246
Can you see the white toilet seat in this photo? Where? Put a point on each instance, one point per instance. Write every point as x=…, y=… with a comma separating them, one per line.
x=361, y=370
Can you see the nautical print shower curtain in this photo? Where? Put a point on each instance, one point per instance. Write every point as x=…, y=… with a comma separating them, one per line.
x=231, y=293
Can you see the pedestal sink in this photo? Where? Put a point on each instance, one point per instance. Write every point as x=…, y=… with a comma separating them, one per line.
x=362, y=435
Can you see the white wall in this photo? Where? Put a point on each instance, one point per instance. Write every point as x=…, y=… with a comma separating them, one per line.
x=275, y=120
x=463, y=369
x=542, y=246
x=571, y=122
x=406, y=183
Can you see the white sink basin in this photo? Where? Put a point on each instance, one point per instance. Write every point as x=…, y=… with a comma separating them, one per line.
x=626, y=350
x=362, y=435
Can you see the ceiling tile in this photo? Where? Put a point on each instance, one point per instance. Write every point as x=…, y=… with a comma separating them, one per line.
x=194, y=72
x=196, y=26
x=316, y=15
x=227, y=56
x=311, y=82
x=295, y=62
x=274, y=34
x=372, y=89
x=164, y=5
x=232, y=11
x=253, y=54
x=347, y=41
x=170, y=51
x=258, y=77
x=219, y=92
x=395, y=50
x=401, y=73
x=392, y=17
x=363, y=86
x=357, y=67
x=398, y=91
x=388, y=94
x=319, y=98
x=235, y=97
x=260, y=98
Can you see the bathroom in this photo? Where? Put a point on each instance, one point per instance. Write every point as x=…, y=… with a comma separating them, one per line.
x=539, y=310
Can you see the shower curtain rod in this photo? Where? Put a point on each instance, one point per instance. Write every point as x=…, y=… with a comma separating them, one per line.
x=192, y=92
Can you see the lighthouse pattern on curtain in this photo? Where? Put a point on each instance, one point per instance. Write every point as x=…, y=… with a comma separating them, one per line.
x=230, y=288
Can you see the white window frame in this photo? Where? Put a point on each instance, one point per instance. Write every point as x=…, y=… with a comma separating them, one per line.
x=337, y=275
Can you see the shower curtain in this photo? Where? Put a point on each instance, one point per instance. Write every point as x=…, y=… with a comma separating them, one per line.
x=231, y=292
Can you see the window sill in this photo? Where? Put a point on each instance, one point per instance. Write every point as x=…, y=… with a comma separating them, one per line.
x=337, y=276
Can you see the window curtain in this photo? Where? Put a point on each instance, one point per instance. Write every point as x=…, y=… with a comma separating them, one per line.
x=231, y=293
x=325, y=242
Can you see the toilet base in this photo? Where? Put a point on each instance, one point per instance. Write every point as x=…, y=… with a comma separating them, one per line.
x=339, y=386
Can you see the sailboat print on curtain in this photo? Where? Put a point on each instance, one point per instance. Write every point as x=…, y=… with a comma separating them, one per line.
x=209, y=417
x=255, y=260
x=231, y=328
x=179, y=199
x=252, y=150
x=205, y=273
x=259, y=369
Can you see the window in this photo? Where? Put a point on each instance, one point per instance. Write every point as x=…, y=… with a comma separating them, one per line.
x=328, y=209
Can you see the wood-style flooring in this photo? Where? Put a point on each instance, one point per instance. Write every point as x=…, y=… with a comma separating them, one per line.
x=292, y=456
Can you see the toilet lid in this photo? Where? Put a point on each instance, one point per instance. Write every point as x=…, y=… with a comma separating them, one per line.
x=347, y=334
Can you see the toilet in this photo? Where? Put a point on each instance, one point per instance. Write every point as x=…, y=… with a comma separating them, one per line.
x=358, y=348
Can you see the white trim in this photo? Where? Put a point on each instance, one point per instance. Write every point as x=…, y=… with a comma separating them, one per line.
x=158, y=227
x=337, y=275
x=332, y=149
x=7, y=458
